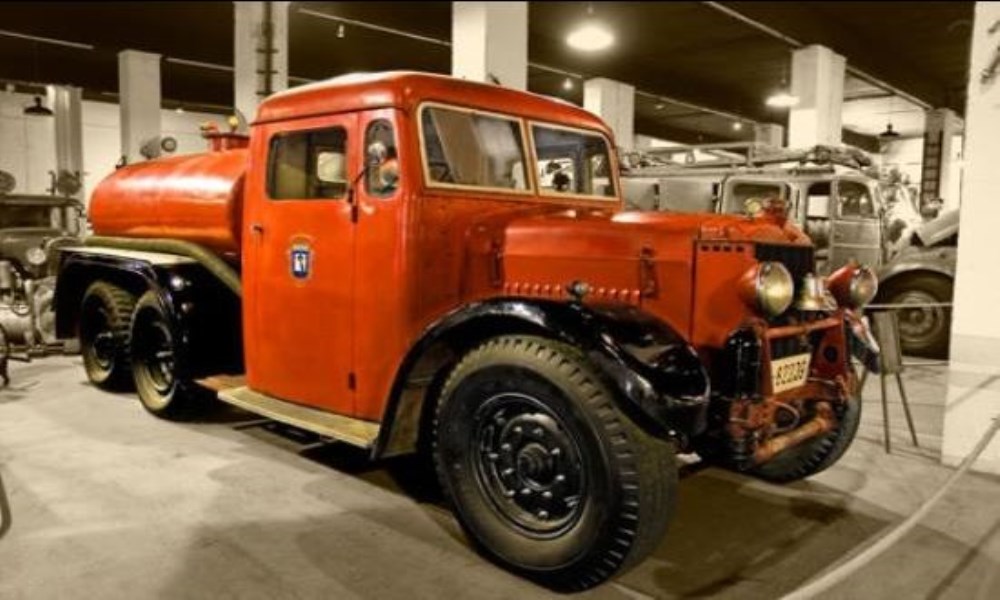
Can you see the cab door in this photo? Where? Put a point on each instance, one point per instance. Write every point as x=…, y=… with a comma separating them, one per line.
x=856, y=229
x=299, y=263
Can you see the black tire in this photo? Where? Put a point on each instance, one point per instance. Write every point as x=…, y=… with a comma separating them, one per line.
x=104, y=331
x=922, y=332
x=815, y=455
x=555, y=430
x=156, y=365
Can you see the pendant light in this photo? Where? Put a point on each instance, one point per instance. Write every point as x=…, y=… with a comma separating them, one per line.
x=889, y=132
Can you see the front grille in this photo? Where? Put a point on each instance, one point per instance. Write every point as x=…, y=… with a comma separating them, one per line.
x=797, y=259
x=789, y=346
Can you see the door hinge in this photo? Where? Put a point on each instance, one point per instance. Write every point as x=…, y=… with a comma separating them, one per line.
x=352, y=381
x=496, y=263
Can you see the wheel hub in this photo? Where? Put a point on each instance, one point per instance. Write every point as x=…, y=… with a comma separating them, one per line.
x=528, y=464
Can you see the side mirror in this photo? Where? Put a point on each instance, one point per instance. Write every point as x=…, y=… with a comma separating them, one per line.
x=376, y=155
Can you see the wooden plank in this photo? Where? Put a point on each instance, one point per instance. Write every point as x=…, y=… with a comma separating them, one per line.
x=346, y=429
x=222, y=381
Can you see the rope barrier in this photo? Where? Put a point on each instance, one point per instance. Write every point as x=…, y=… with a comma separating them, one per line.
x=848, y=568
x=5, y=517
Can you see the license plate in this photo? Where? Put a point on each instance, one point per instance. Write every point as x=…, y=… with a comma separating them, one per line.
x=789, y=373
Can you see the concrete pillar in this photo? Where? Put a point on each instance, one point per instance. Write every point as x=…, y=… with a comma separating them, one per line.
x=260, y=50
x=818, y=81
x=771, y=134
x=490, y=40
x=139, y=94
x=66, y=103
x=614, y=102
x=938, y=168
x=974, y=372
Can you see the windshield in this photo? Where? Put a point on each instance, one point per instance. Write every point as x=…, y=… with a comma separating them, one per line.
x=572, y=162
x=470, y=149
x=28, y=216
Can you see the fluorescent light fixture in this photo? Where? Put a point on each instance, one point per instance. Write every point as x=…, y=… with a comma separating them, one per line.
x=590, y=37
x=782, y=99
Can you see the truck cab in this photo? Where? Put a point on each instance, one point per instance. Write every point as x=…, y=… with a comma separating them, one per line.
x=409, y=263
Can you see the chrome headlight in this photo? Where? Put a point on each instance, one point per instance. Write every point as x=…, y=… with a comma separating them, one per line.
x=853, y=286
x=768, y=287
x=36, y=256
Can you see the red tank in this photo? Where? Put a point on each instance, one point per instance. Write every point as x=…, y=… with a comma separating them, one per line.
x=194, y=197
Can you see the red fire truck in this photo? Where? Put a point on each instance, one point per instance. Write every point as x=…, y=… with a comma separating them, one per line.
x=409, y=262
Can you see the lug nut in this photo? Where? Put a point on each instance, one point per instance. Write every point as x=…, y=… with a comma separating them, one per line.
x=492, y=456
x=505, y=447
x=526, y=492
x=538, y=431
x=542, y=514
x=518, y=429
x=547, y=495
x=555, y=451
x=507, y=471
x=560, y=478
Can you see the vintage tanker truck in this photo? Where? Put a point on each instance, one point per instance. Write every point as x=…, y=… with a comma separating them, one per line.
x=410, y=262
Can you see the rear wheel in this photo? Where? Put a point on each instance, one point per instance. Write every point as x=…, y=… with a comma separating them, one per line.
x=105, y=315
x=161, y=389
x=547, y=477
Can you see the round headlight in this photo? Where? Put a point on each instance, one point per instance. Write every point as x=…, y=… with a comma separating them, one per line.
x=852, y=285
x=769, y=288
x=864, y=286
x=36, y=256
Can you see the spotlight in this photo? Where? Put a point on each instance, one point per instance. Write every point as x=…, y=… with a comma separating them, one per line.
x=782, y=99
x=567, y=84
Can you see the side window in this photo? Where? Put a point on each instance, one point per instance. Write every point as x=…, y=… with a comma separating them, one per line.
x=382, y=178
x=818, y=201
x=305, y=165
x=572, y=162
x=473, y=149
x=855, y=200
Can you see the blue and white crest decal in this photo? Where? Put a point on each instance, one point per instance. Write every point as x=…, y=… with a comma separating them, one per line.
x=301, y=261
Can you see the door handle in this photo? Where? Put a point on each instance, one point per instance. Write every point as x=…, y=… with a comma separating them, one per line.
x=257, y=228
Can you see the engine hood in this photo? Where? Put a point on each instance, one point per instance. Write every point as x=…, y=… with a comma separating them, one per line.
x=639, y=258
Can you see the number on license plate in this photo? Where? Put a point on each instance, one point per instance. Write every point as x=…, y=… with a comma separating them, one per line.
x=789, y=373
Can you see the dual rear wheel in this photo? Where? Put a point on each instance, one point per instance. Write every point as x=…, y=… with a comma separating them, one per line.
x=128, y=341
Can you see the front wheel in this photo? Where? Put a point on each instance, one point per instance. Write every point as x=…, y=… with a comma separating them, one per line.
x=547, y=476
x=162, y=389
x=923, y=331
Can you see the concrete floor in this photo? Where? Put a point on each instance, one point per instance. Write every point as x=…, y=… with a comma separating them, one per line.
x=110, y=502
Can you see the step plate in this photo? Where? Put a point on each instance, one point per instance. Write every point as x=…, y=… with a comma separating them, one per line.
x=345, y=429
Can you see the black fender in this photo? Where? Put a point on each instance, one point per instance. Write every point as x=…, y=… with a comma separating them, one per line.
x=204, y=314
x=658, y=378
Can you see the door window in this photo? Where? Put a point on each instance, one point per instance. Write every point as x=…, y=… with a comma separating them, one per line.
x=471, y=149
x=745, y=191
x=572, y=162
x=304, y=165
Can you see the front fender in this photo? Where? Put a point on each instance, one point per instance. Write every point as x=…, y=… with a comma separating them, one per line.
x=657, y=377
x=939, y=260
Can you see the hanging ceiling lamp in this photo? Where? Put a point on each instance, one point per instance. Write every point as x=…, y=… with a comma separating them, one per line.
x=591, y=35
x=889, y=132
x=38, y=108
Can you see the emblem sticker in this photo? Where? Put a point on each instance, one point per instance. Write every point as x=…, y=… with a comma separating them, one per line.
x=301, y=261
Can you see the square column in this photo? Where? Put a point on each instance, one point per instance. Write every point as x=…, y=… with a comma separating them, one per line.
x=490, y=40
x=66, y=103
x=938, y=177
x=818, y=82
x=614, y=102
x=139, y=94
x=260, y=51
x=974, y=372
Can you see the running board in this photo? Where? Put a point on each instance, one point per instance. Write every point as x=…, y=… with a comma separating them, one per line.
x=345, y=429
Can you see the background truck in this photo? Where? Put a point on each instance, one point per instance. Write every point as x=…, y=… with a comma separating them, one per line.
x=391, y=261
x=32, y=229
x=832, y=195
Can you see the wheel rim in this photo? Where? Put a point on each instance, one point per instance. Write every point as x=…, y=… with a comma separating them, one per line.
x=154, y=351
x=528, y=464
x=98, y=336
x=919, y=326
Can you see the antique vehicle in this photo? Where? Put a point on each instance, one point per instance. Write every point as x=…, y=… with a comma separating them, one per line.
x=32, y=229
x=832, y=197
x=389, y=260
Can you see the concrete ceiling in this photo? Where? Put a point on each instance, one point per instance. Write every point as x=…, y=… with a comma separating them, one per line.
x=687, y=51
